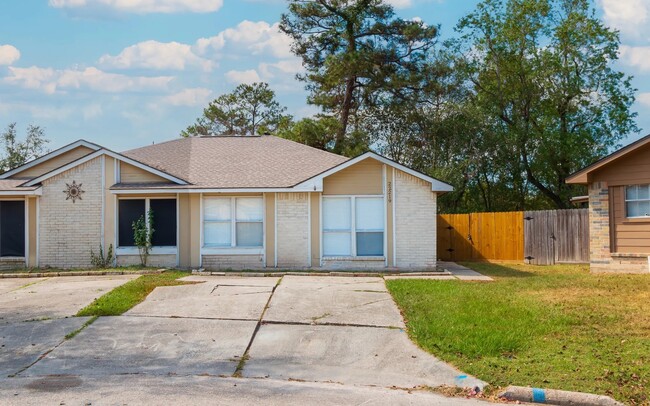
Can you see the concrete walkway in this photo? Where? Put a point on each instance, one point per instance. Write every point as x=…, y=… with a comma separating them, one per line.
x=451, y=271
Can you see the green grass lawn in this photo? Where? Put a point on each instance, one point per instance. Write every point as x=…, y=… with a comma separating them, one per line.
x=554, y=327
x=124, y=297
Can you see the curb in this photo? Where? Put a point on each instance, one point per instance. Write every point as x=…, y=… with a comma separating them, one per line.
x=75, y=273
x=332, y=273
x=556, y=397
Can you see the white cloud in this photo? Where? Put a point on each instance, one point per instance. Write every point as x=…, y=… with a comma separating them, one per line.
x=257, y=38
x=156, y=55
x=400, y=3
x=629, y=16
x=243, y=76
x=198, y=96
x=143, y=6
x=8, y=54
x=643, y=98
x=38, y=111
x=92, y=111
x=638, y=57
x=286, y=67
x=50, y=80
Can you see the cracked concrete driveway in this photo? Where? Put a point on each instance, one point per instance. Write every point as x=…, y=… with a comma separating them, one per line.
x=25, y=299
x=298, y=333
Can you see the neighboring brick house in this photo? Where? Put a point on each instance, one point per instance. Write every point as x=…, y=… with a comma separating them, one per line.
x=619, y=209
x=220, y=203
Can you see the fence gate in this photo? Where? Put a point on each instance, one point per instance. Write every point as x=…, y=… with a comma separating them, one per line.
x=481, y=236
x=556, y=236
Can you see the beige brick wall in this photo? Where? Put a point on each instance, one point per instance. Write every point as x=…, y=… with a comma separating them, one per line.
x=293, y=230
x=161, y=261
x=599, y=240
x=7, y=264
x=69, y=230
x=353, y=264
x=216, y=262
x=415, y=222
x=622, y=264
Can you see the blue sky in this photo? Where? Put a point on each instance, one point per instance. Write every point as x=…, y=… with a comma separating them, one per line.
x=125, y=73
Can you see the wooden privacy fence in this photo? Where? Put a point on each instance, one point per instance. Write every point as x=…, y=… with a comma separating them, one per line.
x=538, y=237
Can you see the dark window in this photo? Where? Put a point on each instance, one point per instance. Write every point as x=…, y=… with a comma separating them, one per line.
x=12, y=229
x=164, y=222
x=370, y=244
x=128, y=212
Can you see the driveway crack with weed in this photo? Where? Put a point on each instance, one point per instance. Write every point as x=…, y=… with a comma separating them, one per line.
x=67, y=337
x=246, y=356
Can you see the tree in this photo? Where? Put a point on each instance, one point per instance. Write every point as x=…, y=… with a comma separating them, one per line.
x=543, y=76
x=17, y=152
x=248, y=110
x=318, y=132
x=355, y=53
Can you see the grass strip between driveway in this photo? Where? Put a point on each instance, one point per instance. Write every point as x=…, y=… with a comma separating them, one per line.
x=557, y=327
x=124, y=297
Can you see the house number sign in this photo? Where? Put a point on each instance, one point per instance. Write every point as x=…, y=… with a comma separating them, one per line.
x=390, y=192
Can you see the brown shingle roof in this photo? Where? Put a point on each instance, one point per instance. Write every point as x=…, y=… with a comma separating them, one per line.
x=237, y=162
x=13, y=185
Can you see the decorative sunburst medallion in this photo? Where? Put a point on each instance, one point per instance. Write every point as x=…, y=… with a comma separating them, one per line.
x=73, y=191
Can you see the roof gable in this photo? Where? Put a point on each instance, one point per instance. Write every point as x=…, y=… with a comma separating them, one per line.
x=317, y=181
x=98, y=153
x=52, y=160
x=582, y=176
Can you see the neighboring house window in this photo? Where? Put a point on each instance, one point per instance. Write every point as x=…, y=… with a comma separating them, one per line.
x=233, y=221
x=353, y=226
x=12, y=228
x=164, y=220
x=637, y=200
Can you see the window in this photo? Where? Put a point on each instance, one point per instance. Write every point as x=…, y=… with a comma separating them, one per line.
x=637, y=200
x=233, y=222
x=164, y=220
x=353, y=226
x=12, y=228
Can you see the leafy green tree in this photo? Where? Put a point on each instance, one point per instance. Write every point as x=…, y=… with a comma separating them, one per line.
x=18, y=152
x=543, y=75
x=355, y=53
x=318, y=132
x=248, y=110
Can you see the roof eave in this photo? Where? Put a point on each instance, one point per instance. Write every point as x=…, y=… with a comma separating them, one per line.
x=581, y=177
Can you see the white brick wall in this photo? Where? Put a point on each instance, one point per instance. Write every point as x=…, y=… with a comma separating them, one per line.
x=353, y=264
x=216, y=262
x=415, y=222
x=69, y=230
x=293, y=230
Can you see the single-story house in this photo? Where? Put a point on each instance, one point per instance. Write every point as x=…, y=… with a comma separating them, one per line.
x=226, y=202
x=619, y=209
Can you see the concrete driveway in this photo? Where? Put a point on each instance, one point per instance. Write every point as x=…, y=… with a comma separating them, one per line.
x=268, y=332
x=24, y=299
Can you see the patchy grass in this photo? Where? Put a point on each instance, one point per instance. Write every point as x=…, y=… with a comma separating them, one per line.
x=124, y=297
x=556, y=327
